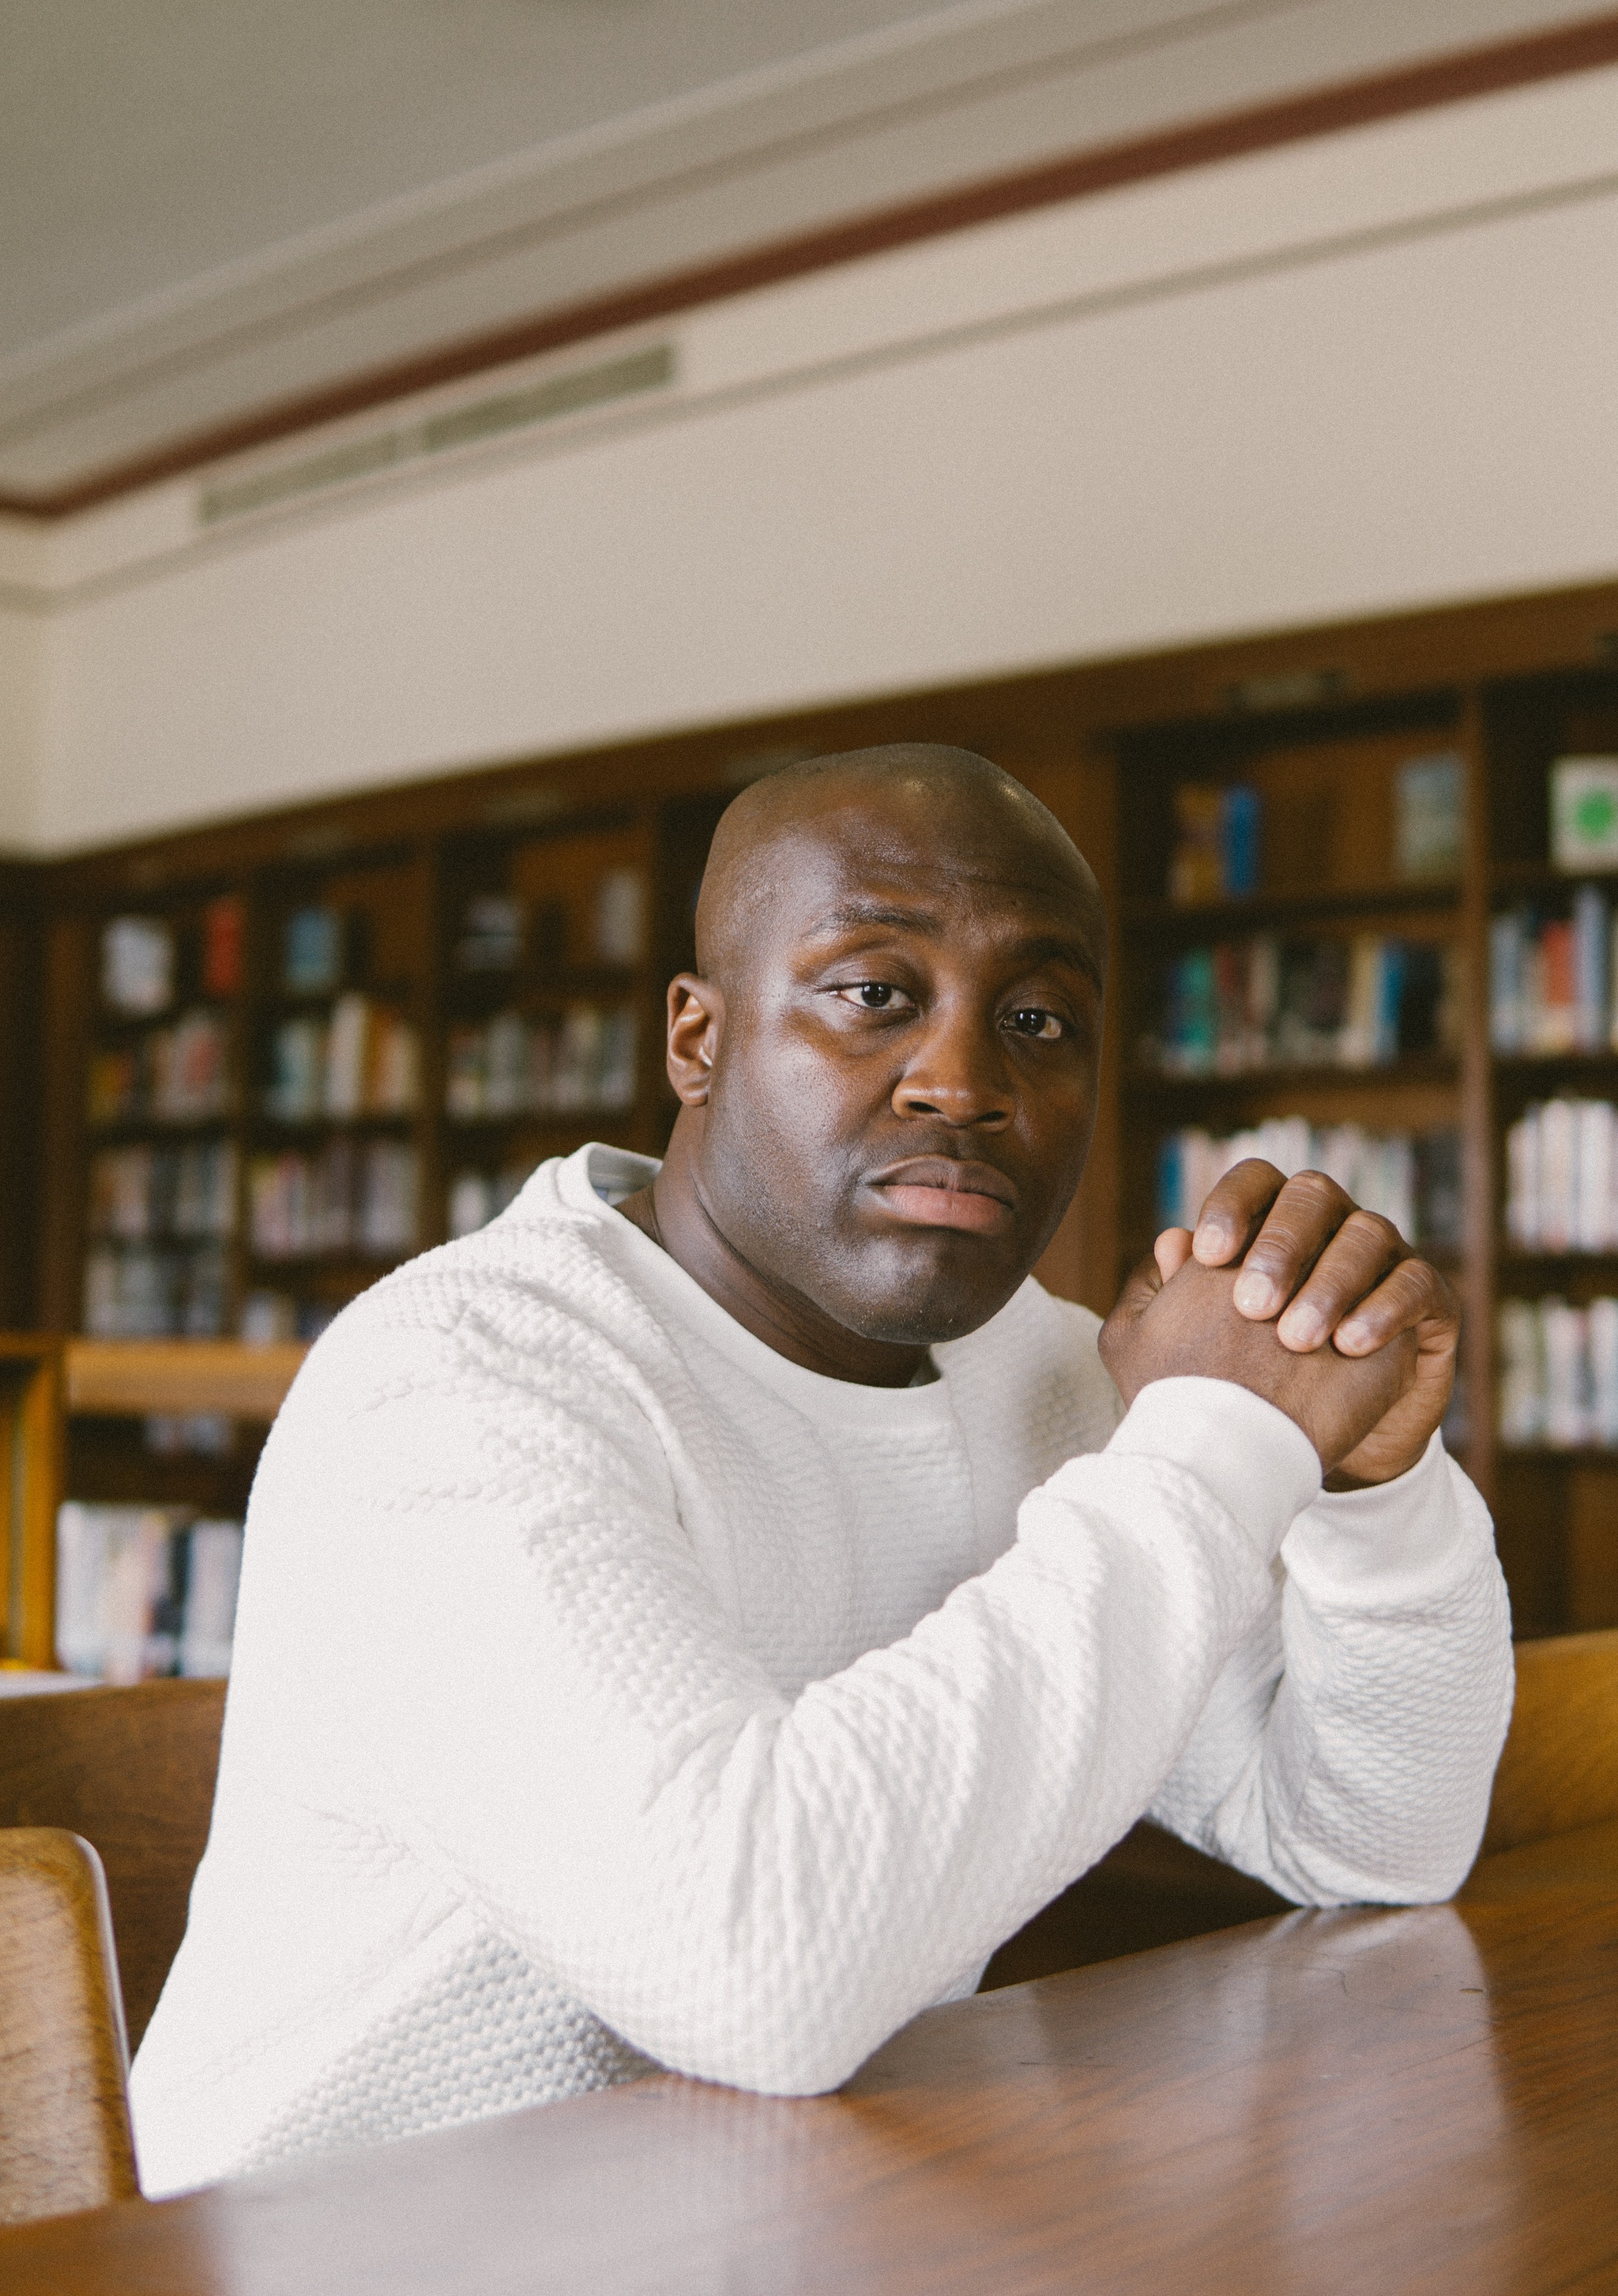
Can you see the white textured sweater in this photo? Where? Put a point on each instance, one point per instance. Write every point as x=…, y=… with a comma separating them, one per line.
x=608, y=1689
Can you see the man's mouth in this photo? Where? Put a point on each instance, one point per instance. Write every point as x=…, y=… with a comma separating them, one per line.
x=932, y=1192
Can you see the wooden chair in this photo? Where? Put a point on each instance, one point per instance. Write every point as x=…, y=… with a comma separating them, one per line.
x=132, y=1771
x=65, y=2140
x=1552, y=1821
x=1553, y=1824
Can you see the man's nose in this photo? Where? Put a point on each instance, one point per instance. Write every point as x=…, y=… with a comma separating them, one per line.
x=957, y=1074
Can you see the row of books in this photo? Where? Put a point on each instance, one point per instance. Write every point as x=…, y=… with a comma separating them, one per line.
x=1271, y=1003
x=145, y=1591
x=500, y=932
x=152, y=1191
x=1413, y=1179
x=517, y=1066
x=1216, y=843
x=1553, y=978
x=1558, y=1374
x=174, y=1075
x=349, y=1197
x=145, y=962
x=1562, y=1177
x=147, y=1292
x=475, y=1198
x=269, y=1317
x=363, y=1060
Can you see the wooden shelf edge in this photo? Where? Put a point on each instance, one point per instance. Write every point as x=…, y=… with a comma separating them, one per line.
x=1257, y=912
x=118, y=1378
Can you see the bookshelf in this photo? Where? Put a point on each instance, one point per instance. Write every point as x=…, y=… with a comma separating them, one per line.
x=521, y=922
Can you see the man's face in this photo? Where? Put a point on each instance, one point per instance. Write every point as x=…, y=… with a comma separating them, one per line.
x=904, y=1079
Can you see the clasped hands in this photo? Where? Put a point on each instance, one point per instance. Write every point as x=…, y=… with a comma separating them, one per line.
x=1287, y=1287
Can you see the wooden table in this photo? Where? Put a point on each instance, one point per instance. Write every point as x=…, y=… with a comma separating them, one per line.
x=1378, y=2102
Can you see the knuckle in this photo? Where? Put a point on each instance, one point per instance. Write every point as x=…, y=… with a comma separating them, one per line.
x=1375, y=1229
x=1317, y=1190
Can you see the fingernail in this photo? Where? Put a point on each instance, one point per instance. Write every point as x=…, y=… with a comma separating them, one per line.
x=1352, y=1335
x=1302, y=1327
x=1255, y=1294
x=1212, y=1236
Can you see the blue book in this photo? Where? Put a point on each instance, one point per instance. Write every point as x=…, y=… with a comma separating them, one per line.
x=1591, y=934
x=1170, y=1181
x=1192, y=1034
x=312, y=951
x=1241, y=817
x=1509, y=938
x=1390, y=1002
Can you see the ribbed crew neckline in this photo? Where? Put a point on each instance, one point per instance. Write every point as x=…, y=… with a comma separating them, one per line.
x=835, y=1402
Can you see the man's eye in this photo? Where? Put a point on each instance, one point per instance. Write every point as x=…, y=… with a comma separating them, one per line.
x=1034, y=1021
x=874, y=996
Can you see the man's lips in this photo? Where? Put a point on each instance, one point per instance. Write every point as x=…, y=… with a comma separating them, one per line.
x=931, y=1192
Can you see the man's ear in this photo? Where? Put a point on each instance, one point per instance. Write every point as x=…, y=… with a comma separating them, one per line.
x=696, y=1015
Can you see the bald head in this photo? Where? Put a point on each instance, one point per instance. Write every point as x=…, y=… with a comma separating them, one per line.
x=919, y=801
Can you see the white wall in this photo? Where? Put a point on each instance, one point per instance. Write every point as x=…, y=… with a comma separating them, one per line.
x=1373, y=372
x=23, y=573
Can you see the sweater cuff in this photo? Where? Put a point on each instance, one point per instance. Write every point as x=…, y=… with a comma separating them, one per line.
x=1388, y=1539
x=1258, y=1464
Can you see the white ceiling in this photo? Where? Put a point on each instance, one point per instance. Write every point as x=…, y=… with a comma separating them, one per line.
x=215, y=206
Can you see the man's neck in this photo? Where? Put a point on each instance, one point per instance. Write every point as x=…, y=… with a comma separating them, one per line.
x=672, y=1213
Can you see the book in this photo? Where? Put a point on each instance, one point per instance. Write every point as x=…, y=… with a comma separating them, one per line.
x=345, y=1197
x=1562, y=1177
x=297, y=1068
x=347, y=1045
x=475, y=1198
x=1564, y=1338
x=1584, y=813
x=312, y=951
x=144, y=1591
x=1521, y=1383
x=1429, y=817
x=619, y=917
x=224, y=945
x=1553, y=977
x=582, y=1062
x=491, y=934
x=1196, y=871
x=1508, y=944
x=1412, y=1180
x=137, y=958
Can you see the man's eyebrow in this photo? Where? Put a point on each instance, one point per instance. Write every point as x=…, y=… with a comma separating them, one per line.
x=853, y=914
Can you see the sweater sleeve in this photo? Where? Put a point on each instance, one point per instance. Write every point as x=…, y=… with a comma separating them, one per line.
x=1347, y=1750
x=540, y=1695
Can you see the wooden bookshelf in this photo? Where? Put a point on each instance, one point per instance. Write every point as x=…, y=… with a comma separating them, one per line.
x=1320, y=720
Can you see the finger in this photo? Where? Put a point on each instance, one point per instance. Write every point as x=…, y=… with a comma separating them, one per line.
x=1347, y=1272
x=1171, y=1251
x=1300, y=1224
x=1141, y=1287
x=1413, y=1298
x=1235, y=1211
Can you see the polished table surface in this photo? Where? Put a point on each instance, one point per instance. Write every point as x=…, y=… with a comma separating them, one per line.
x=1421, y=2100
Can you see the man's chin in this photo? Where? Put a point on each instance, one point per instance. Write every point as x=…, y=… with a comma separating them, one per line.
x=925, y=1314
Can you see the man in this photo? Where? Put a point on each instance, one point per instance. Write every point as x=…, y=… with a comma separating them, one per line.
x=698, y=1632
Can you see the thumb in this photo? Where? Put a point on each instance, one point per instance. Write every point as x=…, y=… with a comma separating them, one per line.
x=1171, y=1251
